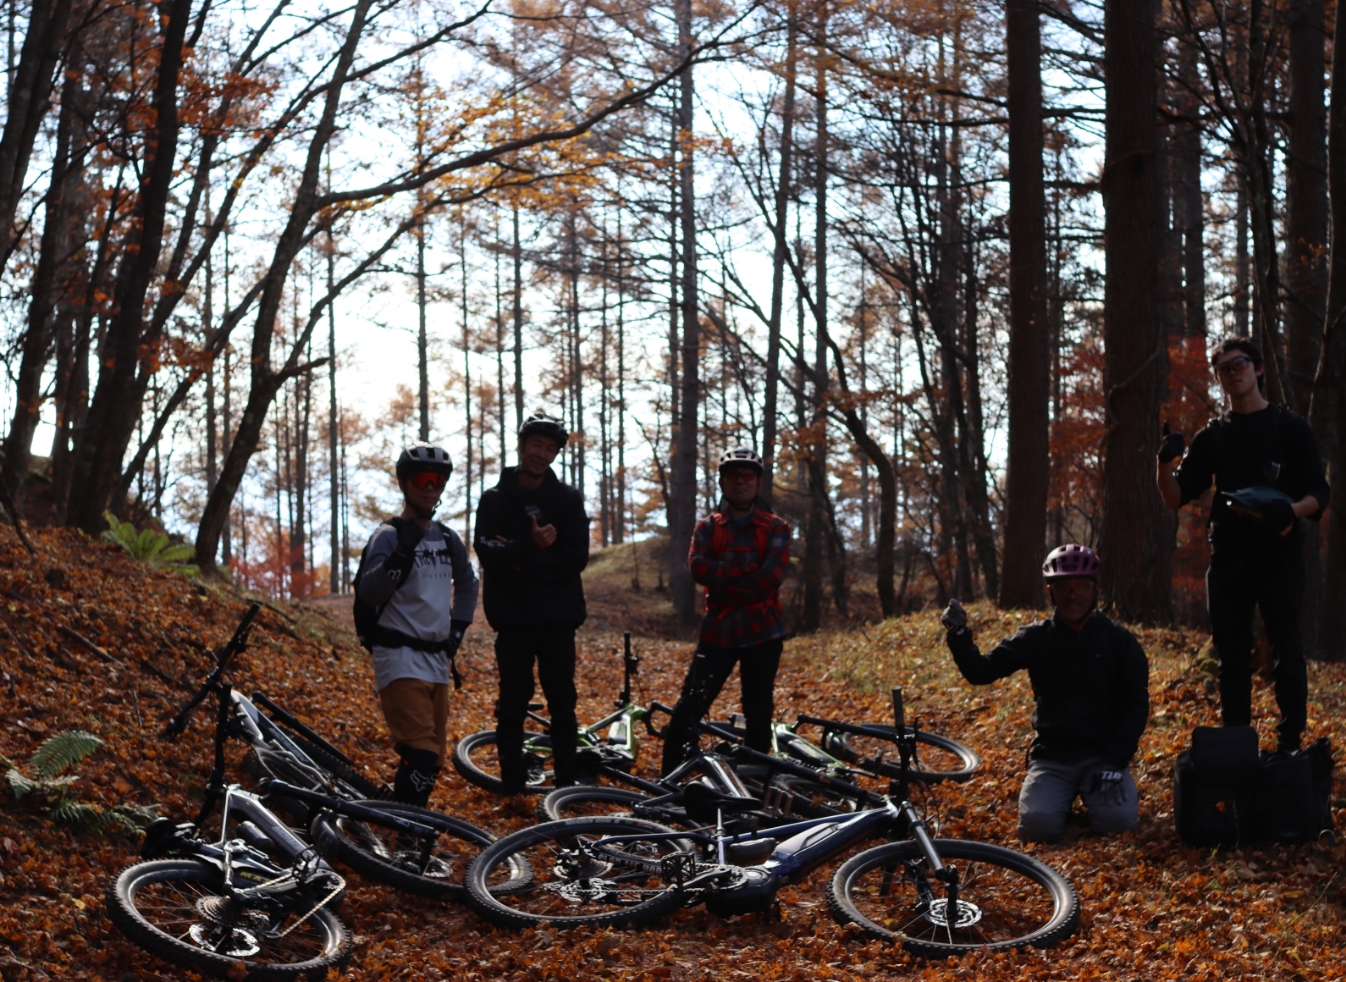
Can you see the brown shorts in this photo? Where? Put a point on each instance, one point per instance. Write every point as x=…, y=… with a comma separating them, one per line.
x=417, y=714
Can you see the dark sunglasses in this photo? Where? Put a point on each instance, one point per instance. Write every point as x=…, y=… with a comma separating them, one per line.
x=427, y=479
x=1234, y=365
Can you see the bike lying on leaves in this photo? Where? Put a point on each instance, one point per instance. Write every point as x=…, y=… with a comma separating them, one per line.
x=608, y=747
x=259, y=902
x=935, y=896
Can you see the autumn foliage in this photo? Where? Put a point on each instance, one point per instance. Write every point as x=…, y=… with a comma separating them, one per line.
x=1153, y=909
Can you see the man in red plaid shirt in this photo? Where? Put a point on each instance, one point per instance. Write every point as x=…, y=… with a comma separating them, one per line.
x=740, y=555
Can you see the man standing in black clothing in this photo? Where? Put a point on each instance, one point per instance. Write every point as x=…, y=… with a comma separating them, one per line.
x=532, y=539
x=1090, y=682
x=1265, y=464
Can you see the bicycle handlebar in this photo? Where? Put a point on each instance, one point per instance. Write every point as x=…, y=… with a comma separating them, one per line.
x=656, y=707
x=178, y=724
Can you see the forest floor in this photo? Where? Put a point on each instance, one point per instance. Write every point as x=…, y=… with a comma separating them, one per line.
x=1152, y=909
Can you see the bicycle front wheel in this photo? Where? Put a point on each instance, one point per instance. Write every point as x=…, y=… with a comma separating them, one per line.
x=1005, y=899
x=938, y=758
x=395, y=859
x=177, y=909
x=476, y=759
x=578, y=880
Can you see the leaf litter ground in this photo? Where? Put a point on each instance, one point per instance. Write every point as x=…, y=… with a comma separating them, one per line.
x=1153, y=909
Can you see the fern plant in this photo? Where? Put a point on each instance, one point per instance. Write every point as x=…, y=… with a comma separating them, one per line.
x=46, y=782
x=149, y=545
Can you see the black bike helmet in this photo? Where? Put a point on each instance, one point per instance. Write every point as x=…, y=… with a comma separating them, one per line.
x=741, y=457
x=424, y=457
x=540, y=424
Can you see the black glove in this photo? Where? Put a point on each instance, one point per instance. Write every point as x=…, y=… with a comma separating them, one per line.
x=409, y=534
x=1109, y=787
x=455, y=639
x=1171, y=447
x=954, y=617
x=403, y=557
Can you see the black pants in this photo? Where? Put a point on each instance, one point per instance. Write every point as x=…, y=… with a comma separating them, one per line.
x=1273, y=580
x=554, y=649
x=710, y=669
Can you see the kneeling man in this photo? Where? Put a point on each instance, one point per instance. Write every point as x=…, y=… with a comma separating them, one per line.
x=1089, y=680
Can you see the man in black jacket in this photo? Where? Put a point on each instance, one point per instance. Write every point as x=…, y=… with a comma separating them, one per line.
x=532, y=539
x=1089, y=680
x=1264, y=461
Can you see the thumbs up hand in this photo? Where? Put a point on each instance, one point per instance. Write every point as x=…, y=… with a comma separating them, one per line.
x=543, y=535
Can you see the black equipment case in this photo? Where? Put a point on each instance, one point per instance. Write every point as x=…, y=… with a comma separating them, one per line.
x=1227, y=793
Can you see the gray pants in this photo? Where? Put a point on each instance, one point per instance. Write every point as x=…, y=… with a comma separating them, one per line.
x=1050, y=789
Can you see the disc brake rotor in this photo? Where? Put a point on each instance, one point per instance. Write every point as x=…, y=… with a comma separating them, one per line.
x=967, y=914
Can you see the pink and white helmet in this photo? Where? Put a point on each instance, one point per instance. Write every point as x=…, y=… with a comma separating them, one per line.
x=1071, y=560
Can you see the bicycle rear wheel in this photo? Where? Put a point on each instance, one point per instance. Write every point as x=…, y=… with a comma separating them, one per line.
x=575, y=882
x=177, y=909
x=585, y=801
x=394, y=859
x=1005, y=899
x=476, y=759
x=938, y=758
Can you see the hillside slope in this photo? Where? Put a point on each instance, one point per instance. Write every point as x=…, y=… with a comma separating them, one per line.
x=1153, y=909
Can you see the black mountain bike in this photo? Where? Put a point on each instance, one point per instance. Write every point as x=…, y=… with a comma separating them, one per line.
x=936, y=897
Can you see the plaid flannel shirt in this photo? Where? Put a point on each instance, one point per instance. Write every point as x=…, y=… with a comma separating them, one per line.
x=742, y=581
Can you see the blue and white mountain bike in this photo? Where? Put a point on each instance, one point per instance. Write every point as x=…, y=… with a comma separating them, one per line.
x=936, y=897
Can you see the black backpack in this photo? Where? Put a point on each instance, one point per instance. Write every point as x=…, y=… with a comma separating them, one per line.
x=371, y=633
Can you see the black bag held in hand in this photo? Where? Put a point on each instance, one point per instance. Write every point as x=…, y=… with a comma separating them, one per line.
x=1226, y=793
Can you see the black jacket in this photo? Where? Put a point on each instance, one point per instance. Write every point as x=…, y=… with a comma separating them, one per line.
x=1091, y=687
x=525, y=586
x=1273, y=447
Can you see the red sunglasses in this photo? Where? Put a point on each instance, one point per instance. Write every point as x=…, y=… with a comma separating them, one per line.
x=427, y=479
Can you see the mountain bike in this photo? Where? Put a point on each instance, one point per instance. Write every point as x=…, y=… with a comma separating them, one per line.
x=612, y=753
x=936, y=897
x=308, y=780
x=678, y=798
x=229, y=907
x=863, y=748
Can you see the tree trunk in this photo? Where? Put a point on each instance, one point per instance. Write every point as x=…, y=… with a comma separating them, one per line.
x=46, y=292
x=29, y=100
x=265, y=379
x=1135, y=567
x=128, y=355
x=1306, y=199
x=1327, y=409
x=778, y=255
x=1191, y=205
x=1306, y=241
x=682, y=513
x=1262, y=209
x=517, y=256
x=1029, y=382
x=335, y=580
